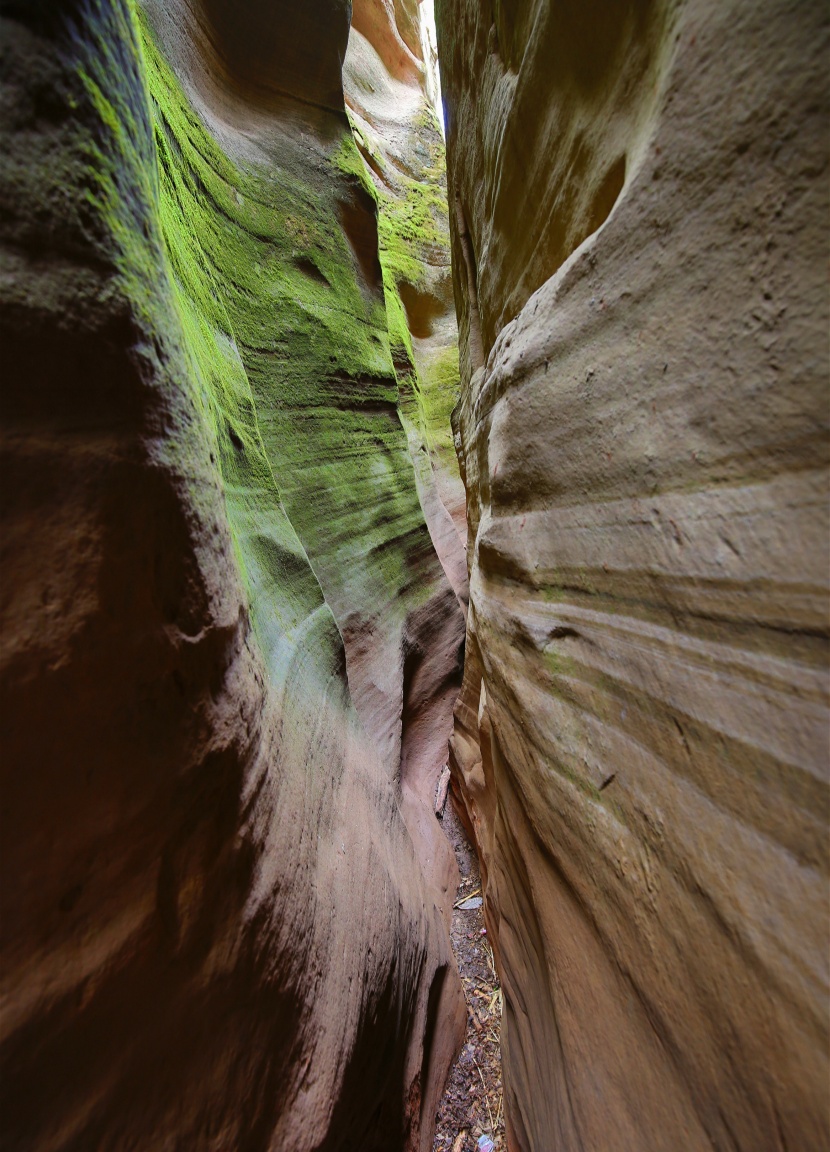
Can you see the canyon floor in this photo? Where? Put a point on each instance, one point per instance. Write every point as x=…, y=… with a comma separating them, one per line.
x=472, y=1102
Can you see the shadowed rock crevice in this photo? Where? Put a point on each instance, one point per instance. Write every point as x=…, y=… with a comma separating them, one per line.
x=276, y=47
x=567, y=154
x=423, y=309
x=359, y=220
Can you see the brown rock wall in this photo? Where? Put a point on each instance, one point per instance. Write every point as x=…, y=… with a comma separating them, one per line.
x=215, y=929
x=641, y=740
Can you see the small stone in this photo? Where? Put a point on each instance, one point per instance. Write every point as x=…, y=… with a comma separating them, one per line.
x=471, y=904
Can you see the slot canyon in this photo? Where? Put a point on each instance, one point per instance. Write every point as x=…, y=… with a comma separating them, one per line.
x=389, y=397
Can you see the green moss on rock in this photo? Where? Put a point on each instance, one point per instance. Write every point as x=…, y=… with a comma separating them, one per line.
x=292, y=349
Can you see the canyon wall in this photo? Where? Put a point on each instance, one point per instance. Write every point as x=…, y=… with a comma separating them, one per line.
x=397, y=133
x=230, y=653
x=397, y=130
x=638, y=202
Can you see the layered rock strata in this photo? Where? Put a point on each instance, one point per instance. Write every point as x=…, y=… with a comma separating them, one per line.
x=219, y=924
x=638, y=206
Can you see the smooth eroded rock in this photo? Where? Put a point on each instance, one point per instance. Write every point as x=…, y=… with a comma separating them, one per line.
x=217, y=930
x=639, y=211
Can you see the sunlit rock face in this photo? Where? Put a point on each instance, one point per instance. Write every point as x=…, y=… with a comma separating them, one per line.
x=219, y=925
x=638, y=198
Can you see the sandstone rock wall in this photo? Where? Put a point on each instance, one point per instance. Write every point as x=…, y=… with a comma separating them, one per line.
x=396, y=131
x=220, y=926
x=396, y=128
x=638, y=200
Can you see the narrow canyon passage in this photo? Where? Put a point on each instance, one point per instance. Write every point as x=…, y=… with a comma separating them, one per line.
x=471, y=1113
x=386, y=389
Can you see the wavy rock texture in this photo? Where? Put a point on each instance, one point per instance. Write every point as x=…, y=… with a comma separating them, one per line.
x=639, y=211
x=388, y=94
x=219, y=927
x=397, y=133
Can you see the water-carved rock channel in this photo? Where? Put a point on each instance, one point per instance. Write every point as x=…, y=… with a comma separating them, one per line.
x=350, y=427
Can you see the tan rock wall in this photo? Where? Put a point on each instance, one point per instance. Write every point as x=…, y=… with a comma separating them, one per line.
x=639, y=200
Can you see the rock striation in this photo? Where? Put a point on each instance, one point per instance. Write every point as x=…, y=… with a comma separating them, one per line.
x=230, y=652
x=397, y=134
x=638, y=200
x=397, y=131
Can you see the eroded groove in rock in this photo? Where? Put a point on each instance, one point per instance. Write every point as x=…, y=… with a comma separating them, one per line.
x=641, y=740
x=219, y=924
